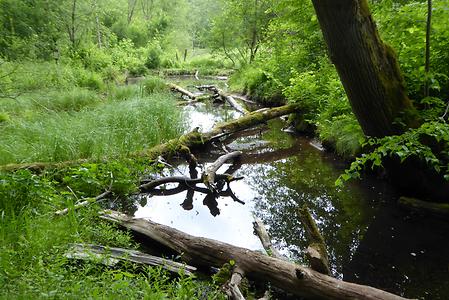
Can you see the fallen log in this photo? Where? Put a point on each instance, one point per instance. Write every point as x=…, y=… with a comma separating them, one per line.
x=209, y=174
x=84, y=203
x=296, y=279
x=224, y=96
x=439, y=209
x=196, y=139
x=316, y=251
x=261, y=232
x=234, y=103
x=182, y=144
x=111, y=256
x=181, y=90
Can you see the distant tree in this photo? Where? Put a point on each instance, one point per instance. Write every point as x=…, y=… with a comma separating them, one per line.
x=239, y=30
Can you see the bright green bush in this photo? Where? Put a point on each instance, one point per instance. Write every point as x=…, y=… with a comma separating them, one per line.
x=403, y=26
x=153, y=60
x=429, y=143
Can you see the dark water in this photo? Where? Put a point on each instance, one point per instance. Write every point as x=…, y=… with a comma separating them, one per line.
x=369, y=239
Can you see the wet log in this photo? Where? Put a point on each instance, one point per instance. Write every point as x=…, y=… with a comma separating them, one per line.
x=181, y=90
x=111, y=256
x=296, y=279
x=439, y=209
x=196, y=139
x=316, y=251
x=86, y=202
x=261, y=232
x=210, y=173
x=183, y=180
x=234, y=103
x=182, y=144
x=224, y=96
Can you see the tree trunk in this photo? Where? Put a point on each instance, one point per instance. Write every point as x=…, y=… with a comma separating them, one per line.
x=428, y=29
x=367, y=67
x=131, y=8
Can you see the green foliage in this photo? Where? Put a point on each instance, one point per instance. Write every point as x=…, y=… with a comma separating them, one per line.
x=258, y=84
x=32, y=261
x=343, y=133
x=108, y=129
x=409, y=42
x=154, y=85
x=153, y=60
x=429, y=143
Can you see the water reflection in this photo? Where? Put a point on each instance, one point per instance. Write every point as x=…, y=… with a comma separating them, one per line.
x=369, y=241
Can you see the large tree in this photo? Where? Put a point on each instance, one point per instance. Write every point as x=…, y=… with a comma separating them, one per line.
x=367, y=67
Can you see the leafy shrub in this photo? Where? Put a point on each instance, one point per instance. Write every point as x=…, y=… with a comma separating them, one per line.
x=343, y=133
x=429, y=143
x=409, y=42
x=153, y=59
x=90, y=80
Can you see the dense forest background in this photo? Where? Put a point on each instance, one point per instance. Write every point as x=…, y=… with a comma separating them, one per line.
x=276, y=47
x=66, y=94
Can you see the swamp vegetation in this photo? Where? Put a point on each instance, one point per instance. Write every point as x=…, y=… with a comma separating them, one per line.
x=169, y=111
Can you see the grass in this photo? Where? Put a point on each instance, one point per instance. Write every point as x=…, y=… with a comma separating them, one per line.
x=33, y=243
x=47, y=123
x=110, y=129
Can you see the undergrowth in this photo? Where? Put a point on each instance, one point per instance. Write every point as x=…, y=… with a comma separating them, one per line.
x=34, y=240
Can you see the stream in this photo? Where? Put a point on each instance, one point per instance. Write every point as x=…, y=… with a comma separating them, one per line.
x=370, y=240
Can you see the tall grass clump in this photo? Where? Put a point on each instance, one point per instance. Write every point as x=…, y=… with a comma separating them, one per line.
x=153, y=85
x=111, y=129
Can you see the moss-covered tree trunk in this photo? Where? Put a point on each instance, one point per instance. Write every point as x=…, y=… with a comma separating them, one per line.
x=367, y=67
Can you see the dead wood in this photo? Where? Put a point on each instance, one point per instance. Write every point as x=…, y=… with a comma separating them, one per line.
x=224, y=96
x=210, y=173
x=295, y=279
x=181, y=90
x=232, y=287
x=184, y=181
x=438, y=209
x=316, y=251
x=111, y=256
x=261, y=232
x=84, y=203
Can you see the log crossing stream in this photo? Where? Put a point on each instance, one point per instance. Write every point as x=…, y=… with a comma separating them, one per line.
x=370, y=240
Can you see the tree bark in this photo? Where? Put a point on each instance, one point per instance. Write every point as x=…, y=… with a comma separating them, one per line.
x=367, y=67
x=296, y=279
